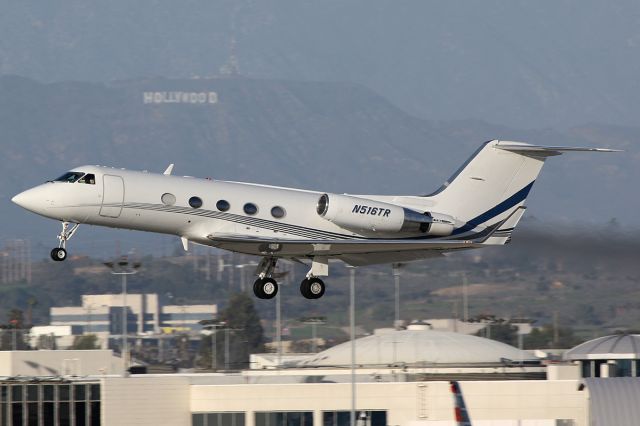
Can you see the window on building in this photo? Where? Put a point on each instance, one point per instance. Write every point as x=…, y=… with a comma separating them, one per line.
x=586, y=368
x=50, y=404
x=597, y=365
x=623, y=368
x=364, y=418
x=3, y=404
x=284, y=418
x=217, y=419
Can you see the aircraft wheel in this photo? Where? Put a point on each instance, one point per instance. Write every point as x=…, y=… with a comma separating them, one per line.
x=265, y=288
x=312, y=288
x=58, y=254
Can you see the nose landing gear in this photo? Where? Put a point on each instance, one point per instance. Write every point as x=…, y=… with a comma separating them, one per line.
x=60, y=253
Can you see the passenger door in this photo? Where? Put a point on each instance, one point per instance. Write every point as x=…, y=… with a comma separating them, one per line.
x=112, y=196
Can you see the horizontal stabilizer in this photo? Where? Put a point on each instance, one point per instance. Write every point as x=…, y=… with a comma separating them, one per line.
x=546, y=151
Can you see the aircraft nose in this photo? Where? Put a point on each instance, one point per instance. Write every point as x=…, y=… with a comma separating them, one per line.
x=31, y=199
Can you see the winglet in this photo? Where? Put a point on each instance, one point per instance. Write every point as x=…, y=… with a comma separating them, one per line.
x=168, y=170
x=185, y=243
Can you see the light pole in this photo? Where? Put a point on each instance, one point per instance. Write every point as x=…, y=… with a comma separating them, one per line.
x=124, y=267
x=465, y=298
x=242, y=273
x=352, y=332
x=313, y=322
x=213, y=326
x=396, y=279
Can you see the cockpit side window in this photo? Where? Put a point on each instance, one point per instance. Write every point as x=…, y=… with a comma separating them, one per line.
x=70, y=177
x=89, y=178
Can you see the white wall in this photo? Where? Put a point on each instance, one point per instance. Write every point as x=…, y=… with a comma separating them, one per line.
x=58, y=362
x=145, y=400
x=405, y=402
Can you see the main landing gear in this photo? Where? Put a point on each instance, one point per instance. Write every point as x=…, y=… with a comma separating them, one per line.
x=266, y=287
x=312, y=287
x=60, y=253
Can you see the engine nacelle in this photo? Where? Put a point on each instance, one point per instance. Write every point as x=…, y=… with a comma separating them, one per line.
x=361, y=214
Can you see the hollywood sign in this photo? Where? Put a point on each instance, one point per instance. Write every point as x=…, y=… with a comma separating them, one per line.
x=180, y=98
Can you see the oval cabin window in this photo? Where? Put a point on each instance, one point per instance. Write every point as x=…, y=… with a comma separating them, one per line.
x=250, y=209
x=278, y=212
x=223, y=205
x=168, y=199
x=195, y=202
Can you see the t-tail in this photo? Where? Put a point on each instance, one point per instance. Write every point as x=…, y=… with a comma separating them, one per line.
x=460, y=408
x=487, y=194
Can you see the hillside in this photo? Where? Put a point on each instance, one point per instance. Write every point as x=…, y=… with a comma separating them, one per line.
x=517, y=63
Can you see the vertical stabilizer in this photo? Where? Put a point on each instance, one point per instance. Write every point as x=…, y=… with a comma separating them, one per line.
x=492, y=187
x=460, y=409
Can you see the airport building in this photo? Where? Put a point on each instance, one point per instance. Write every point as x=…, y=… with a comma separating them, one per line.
x=401, y=378
x=102, y=315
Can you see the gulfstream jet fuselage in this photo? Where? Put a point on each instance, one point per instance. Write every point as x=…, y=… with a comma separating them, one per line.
x=479, y=205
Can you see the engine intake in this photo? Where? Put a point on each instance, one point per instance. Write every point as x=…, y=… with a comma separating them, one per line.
x=362, y=214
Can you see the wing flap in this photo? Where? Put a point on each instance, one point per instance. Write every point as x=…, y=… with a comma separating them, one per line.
x=333, y=248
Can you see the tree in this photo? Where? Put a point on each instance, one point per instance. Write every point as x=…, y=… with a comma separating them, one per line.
x=543, y=338
x=505, y=333
x=85, y=342
x=13, y=333
x=243, y=330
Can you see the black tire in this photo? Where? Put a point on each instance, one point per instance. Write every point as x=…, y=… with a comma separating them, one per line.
x=312, y=288
x=304, y=288
x=268, y=288
x=265, y=288
x=58, y=254
x=257, y=285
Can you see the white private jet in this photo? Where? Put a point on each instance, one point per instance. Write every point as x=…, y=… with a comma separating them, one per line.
x=479, y=206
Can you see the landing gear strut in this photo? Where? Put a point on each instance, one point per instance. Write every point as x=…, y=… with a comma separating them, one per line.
x=265, y=286
x=60, y=253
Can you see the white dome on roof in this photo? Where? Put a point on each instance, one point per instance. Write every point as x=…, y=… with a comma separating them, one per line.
x=608, y=347
x=419, y=347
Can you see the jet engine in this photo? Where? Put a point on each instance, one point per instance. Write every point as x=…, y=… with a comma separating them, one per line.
x=361, y=214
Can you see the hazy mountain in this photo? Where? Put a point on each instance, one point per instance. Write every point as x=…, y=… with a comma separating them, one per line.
x=517, y=63
x=334, y=137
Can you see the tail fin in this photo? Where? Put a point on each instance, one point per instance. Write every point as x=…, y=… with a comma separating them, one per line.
x=460, y=409
x=492, y=186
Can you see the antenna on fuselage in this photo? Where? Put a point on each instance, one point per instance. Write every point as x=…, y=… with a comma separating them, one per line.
x=168, y=170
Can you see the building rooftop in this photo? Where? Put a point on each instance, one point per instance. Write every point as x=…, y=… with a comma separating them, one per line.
x=624, y=346
x=420, y=347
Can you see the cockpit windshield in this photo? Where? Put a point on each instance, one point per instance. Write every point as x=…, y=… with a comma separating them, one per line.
x=70, y=177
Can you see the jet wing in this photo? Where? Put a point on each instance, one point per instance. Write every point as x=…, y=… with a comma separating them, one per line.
x=356, y=250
